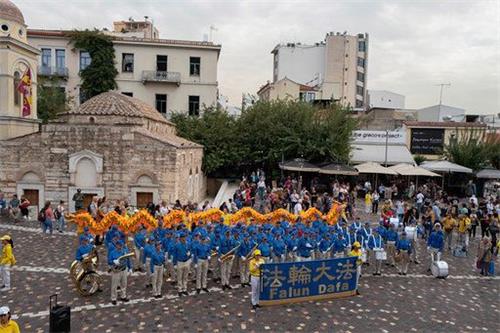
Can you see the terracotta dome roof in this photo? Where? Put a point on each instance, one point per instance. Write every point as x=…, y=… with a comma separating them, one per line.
x=115, y=104
x=9, y=11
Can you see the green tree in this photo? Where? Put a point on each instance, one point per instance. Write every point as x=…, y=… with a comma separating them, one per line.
x=216, y=131
x=267, y=132
x=474, y=149
x=100, y=75
x=51, y=99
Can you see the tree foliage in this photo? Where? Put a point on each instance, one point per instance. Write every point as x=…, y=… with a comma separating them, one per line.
x=268, y=132
x=100, y=75
x=474, y=149
x=51, y=99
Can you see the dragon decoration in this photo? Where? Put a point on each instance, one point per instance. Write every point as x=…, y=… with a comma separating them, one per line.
x=130, y=224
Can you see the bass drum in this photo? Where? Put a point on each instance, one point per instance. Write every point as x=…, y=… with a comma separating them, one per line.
x=439, y=269
x=75, y=269
x=88, y=283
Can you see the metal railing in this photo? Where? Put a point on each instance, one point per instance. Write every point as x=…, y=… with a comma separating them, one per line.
x=52, y=71
x=161, y=76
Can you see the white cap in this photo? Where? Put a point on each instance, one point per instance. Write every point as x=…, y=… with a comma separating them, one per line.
x=4, y=310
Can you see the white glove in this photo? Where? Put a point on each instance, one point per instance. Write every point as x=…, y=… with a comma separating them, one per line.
x=218, y=259
x=428, y=248
x=85, y=255
x=116, y=262
x=129, y=271
x=242, y=258
x=195, y=266
x=209, y=257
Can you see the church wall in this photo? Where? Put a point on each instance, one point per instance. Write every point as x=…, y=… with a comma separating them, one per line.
x=126, y=156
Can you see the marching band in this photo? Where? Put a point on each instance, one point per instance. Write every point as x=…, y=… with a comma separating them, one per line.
x=217, y=250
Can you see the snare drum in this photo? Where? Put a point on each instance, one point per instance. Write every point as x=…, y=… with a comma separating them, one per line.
x=380, y=254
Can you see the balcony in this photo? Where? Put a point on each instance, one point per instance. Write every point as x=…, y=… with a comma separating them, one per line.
x=161, y=76
x=53, y=71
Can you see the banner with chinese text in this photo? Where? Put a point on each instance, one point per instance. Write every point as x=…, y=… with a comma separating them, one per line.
x=308, y=280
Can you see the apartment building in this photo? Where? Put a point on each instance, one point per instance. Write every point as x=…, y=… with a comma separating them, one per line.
x=171, y=75
x=336, y=68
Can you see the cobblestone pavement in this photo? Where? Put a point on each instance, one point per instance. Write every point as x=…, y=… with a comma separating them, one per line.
x=464, y=302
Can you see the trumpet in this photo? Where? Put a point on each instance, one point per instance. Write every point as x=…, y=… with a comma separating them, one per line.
x=230, y=255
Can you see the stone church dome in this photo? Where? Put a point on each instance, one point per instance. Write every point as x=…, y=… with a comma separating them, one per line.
x=115, y=104
x=10, y=12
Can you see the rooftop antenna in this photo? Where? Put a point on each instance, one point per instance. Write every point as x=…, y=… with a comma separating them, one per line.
x=212, y=30
x=442, y=85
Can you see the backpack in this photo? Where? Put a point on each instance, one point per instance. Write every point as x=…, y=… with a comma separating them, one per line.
x=57, y=214
x=41, y=215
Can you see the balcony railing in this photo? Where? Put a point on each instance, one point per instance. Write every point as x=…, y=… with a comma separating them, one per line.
x=53, y=71
x=161, y=76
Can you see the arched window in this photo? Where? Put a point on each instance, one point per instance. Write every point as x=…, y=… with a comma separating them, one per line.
x=17, y=94
x=86, y=173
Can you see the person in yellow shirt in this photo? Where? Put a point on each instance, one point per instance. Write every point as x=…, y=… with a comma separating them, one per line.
x=368, y=202
x=464, y=223
x=6, y=324
x=7, y=260
x=449, y=223
x=254, y=267
x=356, y=252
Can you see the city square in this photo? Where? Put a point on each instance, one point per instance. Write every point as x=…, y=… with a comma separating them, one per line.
x=221, y=166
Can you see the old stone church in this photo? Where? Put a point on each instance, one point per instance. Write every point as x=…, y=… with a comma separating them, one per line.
x=112, y=145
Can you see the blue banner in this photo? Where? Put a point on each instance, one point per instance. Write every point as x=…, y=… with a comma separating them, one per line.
x=307, y=280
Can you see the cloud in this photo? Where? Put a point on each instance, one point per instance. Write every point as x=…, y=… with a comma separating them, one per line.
x=414, y=45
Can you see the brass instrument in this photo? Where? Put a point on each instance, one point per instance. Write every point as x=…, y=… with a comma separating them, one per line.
x=250, y=254
x=230, y=255
x=83, y=274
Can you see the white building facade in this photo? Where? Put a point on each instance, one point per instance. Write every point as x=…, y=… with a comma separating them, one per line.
x=170, y=75
x=384, y=99
x=337, y=67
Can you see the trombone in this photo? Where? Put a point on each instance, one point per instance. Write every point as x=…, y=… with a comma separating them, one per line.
x=230, y=255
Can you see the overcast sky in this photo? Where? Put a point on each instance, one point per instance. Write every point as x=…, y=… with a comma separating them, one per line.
x=414, y=45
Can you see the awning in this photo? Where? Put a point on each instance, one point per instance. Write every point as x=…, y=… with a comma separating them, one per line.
x=299, y=165
x=376, y=153
x=411, y=170
x=444, y=166
x=338, y=169
x=371, y=167
x=489, y=173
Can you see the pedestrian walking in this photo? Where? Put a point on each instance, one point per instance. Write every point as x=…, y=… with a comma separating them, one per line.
x=7, y=260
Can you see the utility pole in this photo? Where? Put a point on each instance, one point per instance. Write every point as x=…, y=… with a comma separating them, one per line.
x=442, y=85
x=386, y=146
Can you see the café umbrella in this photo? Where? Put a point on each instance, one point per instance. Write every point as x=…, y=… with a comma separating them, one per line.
x=298, y=165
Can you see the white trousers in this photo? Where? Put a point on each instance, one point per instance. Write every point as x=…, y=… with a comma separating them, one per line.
x=182, y=275
x=255, y=282
x=118, y=279
x=244, y=272
x=157, y=280
x=299, y=258
x=5, y=273
x=225, y=271
x=138, y=257
x=201, y=274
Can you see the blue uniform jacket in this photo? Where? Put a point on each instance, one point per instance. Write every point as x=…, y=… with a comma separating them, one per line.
x=83, y=250
x=157, y=258
x=181, y=252
x=304, y=247
x=403, y=244
x=265, y=249
x=391, y=236
x=140, y=240
x=436, y=240
x=201, y=251
x=115, y=254
x=375, y=242
x=279, y=247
